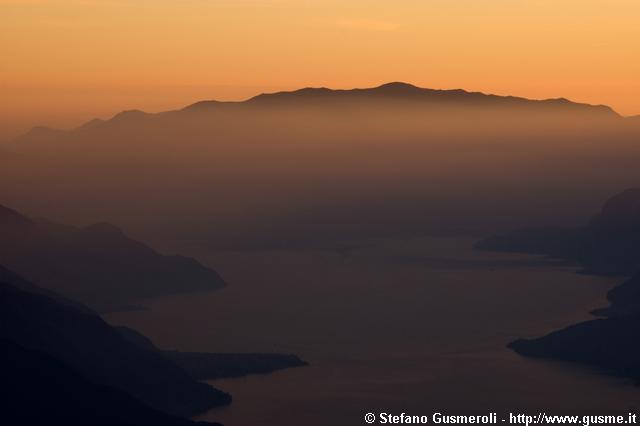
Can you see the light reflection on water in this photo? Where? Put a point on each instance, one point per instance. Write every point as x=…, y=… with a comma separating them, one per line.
x=414, y=325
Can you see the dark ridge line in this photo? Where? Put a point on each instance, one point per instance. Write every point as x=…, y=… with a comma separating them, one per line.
x=390, y=90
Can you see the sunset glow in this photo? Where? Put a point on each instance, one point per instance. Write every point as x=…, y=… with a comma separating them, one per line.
x=66, y=61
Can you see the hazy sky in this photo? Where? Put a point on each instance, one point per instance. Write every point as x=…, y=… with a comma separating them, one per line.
x=65, y=61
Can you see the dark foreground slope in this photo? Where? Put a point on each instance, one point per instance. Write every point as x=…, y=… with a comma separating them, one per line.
x=97, y=265
x=98, y=352
x=37, y=389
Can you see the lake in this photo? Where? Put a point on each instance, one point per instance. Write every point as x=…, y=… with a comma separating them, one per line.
x=414, y=325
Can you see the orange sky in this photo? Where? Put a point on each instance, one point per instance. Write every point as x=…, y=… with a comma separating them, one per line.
x=66, y=61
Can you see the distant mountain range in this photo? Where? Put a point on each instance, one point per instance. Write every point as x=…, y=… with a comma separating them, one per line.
x=97, y=265
x=306, y=165
x=390, y=93
x=403, y=92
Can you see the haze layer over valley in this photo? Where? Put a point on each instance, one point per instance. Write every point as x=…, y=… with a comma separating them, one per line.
x=314, y=166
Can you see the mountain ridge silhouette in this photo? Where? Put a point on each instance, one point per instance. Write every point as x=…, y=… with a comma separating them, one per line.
x=388, y=91
x=115, y=269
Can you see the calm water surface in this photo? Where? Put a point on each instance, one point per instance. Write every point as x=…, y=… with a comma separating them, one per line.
x=414, y=325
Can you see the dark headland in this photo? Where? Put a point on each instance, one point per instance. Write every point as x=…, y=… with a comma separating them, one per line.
x=119, y=359
x=609, y=244
x=58, y=352
x=120, y=270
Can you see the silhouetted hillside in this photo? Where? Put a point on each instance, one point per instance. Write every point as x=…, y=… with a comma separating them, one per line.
x=608, y=344
x=97, y=351
x=621, y=211
x=210, y=366
x=403, y=92
x=615, y=243
x=97, y=265
x=10, y=277
x=623, y=300
x=609, y=244
x=43, y=134
x=13, y=226
x=387, y=93
x=38, y=390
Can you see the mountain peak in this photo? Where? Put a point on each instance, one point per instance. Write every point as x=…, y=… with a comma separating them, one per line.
x=398, y=86
x=130, y=114
x=202, y=105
